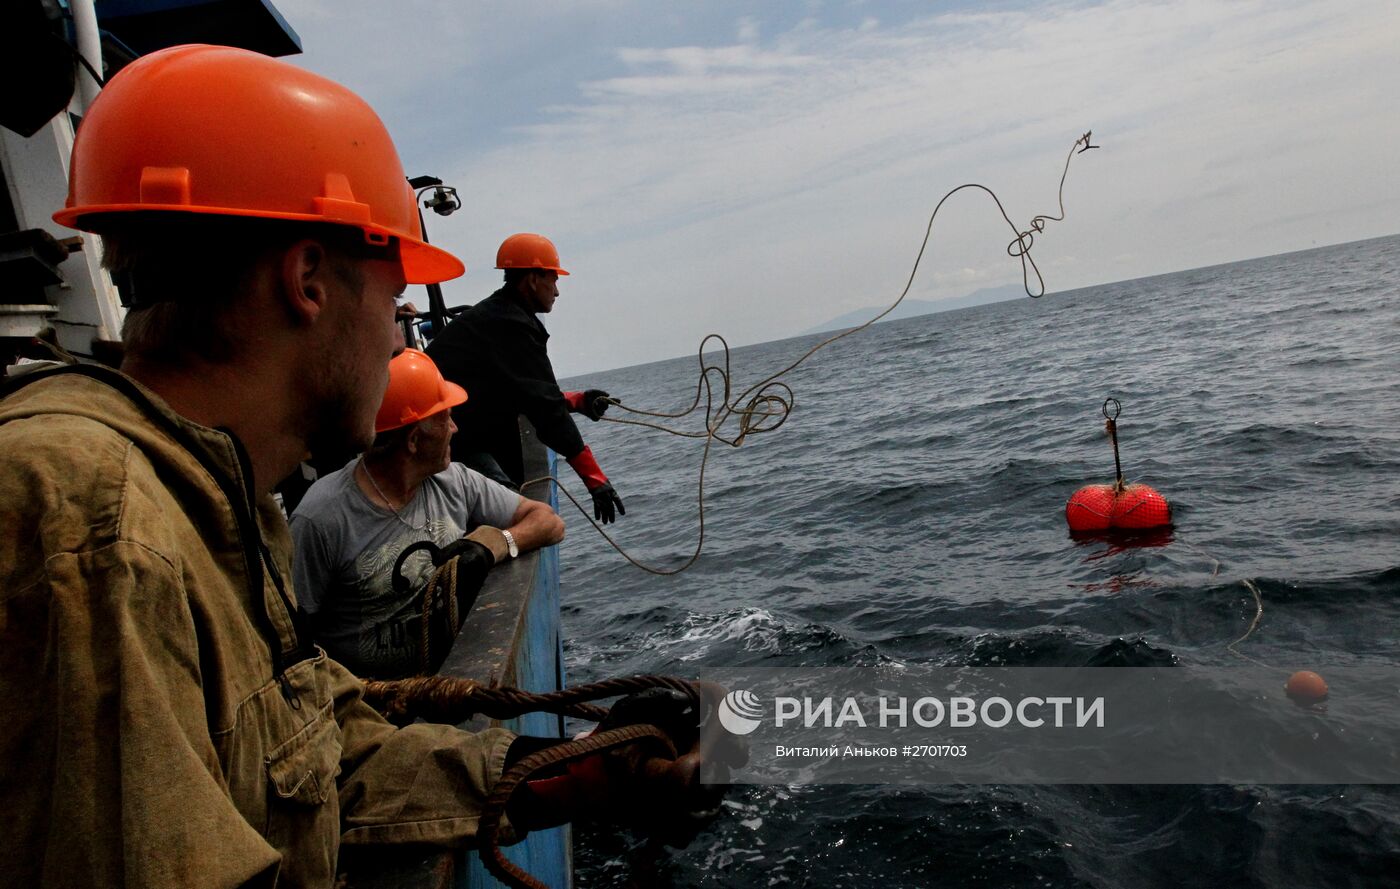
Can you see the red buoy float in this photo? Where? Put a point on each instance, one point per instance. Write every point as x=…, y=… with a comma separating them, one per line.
x=1119, y=506
x=1106, y=508
x=1306, y=687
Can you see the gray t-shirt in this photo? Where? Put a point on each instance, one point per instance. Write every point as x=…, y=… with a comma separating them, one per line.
x=345, y=552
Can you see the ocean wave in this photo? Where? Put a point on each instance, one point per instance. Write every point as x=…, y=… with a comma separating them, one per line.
x=743, y=635
x=1057, y=648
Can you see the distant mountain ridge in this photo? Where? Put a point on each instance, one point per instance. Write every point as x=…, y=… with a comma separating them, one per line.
x=912, y=308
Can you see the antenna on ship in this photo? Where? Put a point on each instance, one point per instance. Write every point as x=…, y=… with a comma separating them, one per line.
x=444, y=202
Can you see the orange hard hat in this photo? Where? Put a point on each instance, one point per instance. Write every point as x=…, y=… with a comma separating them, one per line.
x=416, y=392
x=528, y=251
x=225, y=131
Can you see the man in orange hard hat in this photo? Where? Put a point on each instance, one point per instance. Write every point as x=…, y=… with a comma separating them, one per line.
x=497, y=351
x=168, y=722
x=365, y=534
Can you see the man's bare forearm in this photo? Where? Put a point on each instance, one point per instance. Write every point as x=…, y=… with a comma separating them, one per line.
x=535, y=524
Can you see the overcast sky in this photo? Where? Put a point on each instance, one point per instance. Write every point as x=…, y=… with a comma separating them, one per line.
x=754, y=169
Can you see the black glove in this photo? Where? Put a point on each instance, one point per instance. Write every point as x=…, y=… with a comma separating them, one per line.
x=595, y=404
x=604, y=501
x=638, y=784
x=672, y=711
x=474, y=560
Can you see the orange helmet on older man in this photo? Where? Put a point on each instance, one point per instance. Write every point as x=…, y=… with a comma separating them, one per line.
x=416, y=392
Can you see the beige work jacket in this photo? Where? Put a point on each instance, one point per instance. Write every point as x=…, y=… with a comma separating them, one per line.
x=161, y=724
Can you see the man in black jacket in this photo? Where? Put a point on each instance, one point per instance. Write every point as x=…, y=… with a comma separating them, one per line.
x=496, y=350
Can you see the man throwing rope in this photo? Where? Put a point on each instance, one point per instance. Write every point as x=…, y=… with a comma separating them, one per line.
x=167, y=721
x=363, y=596
x=497, y=351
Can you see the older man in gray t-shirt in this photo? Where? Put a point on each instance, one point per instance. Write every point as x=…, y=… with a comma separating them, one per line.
x=352, y=525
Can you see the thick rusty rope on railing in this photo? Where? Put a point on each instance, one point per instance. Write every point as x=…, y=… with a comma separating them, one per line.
x=489, y=825
x=770, y=399
x=451, y=700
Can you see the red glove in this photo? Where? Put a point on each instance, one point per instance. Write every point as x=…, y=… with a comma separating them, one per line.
x=607, y=506
x=588, y=469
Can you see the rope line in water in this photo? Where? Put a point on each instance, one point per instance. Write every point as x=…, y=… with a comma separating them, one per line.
x=766, y=405
x=1215, y=563
x=1253, y=625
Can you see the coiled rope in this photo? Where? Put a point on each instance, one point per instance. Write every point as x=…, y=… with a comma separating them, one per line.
x=765, y=406
x=450, y=700
x=443, y=579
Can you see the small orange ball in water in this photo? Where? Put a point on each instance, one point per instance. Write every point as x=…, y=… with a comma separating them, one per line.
x=1306, y=686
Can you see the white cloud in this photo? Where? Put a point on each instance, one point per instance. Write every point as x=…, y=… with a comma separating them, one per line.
x=693, y=60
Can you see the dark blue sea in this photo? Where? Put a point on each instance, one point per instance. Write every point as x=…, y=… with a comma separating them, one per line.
x=910, y=511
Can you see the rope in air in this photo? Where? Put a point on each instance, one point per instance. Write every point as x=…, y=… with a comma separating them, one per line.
x=765, y=406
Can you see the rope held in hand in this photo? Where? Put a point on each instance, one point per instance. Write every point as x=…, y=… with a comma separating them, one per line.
x=489, y=825
x=446, y=573
x=448, y=699
x=451, y=700
x=765, y=405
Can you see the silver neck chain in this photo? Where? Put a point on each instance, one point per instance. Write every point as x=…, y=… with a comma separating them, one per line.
x=389, y=503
